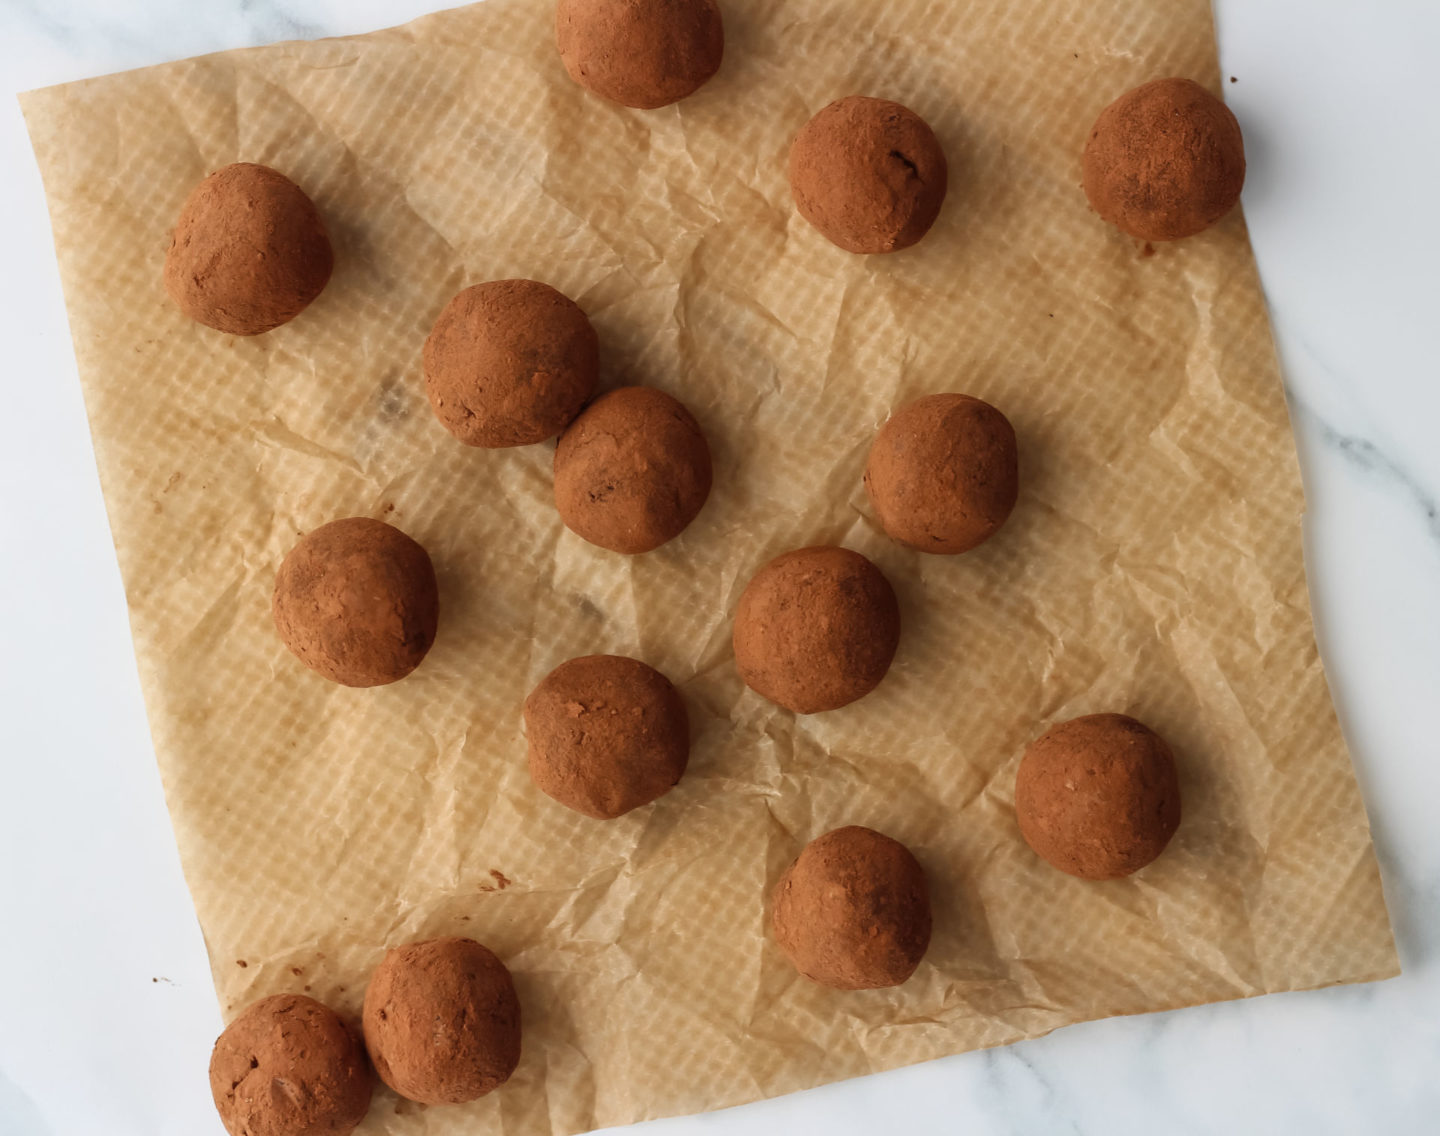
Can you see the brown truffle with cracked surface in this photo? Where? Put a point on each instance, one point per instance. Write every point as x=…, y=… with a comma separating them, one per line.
x=510, y=363
x=442, y=1021
x=606, y=734
x=632, y=471
x=356, y=600
x=640, y=53
x=288, y=1066
x=1098, y=797
x=816, y=629
x=869, y=174
x=943, y=473
x=853, y=911
x=1164, y=161
x=249, y=251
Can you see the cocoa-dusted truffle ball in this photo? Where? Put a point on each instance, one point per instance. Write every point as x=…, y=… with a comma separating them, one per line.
x=510, y=363
x=869, y=174
x=1164, y=161
x=943, y=473
x=632, y=471
x=816, y=629
x=1098, y=796
x=356, y=601
x=288, y=1066
x=249, y=251
x=606, y=735
x=853, y=911
x=640, y=53
x=442, y=1021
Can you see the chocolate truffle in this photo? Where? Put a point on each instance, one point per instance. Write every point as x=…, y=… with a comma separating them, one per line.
x=442, y=1021
x=1098, y=796
x=510, y=363
x=640, y=53
x=1164, y=161
x=816, y=629
x=632, y=471
x=853, y=911
x=356, y=601
x=869, y=174
x=606, y=735
x=288, y=1066
x=943, y=473
x=249, y=251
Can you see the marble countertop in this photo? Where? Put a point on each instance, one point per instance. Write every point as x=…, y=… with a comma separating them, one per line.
x=107, y=1012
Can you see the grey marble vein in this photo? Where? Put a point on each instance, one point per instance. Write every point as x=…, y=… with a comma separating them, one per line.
x=89, y=36
x=1025, y=1099
x=270, y=21
x=1364, y=455
x=18, y=1114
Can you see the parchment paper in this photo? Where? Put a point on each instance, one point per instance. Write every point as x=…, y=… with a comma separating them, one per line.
x=1153, y=564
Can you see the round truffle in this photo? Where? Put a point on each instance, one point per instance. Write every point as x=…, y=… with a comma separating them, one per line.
x=852, y=912
x=249, y=251
x=943, y=473
x=356, y=601
x=1098, y=797
x=632, y=471
x=869, y=174
x=816, y=629
x=510, y=363
x=606, y=735
x=442, y=1021
x=640, y=53
x=288, y=1066
x=1164, y=161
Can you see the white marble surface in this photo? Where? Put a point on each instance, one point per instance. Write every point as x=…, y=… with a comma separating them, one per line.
x=106, y=1012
